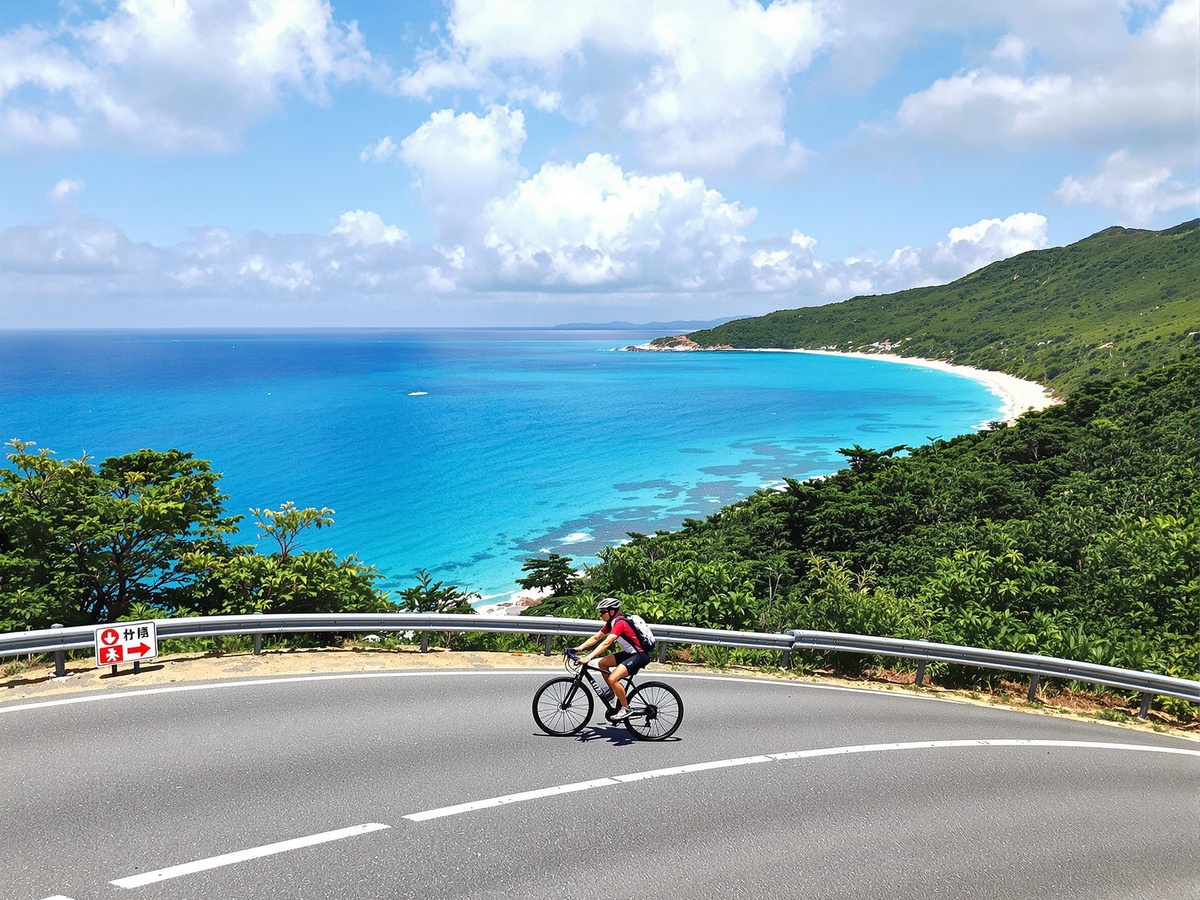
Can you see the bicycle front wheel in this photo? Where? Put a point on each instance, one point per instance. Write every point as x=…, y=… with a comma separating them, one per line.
x=655, y=711
x=561, y=707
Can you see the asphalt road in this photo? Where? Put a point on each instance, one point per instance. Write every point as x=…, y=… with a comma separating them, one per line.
x=373, y=787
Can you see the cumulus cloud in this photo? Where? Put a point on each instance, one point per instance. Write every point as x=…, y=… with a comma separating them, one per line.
x=463, y=161
x=593, y=224
x=787, y=267
x=171, y=76
x=698, y=83
x=1145, y=82
x=1135, y=188
x=364, y=228
x=796, y=266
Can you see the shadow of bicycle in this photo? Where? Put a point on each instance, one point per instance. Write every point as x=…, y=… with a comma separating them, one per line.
x=617, y=735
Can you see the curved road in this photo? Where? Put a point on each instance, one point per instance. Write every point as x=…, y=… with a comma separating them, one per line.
x=439, y=785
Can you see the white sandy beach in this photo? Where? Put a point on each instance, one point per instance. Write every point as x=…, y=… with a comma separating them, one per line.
x=513, y=603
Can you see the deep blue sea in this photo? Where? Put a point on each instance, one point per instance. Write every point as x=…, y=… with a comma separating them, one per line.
x=464, y=452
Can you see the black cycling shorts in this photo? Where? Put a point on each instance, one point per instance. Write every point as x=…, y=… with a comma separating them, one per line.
x=633, y=662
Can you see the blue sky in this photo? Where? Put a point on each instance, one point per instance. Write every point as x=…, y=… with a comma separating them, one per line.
x=532, y=162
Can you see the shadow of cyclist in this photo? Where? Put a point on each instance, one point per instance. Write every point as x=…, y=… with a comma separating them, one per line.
x=617, y=735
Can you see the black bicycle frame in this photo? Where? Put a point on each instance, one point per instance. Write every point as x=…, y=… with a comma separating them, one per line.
x=599, y=686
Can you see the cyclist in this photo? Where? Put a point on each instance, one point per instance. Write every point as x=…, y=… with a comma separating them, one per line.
x=630, y=658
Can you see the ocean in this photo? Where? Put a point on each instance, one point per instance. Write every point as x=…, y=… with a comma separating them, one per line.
x=464, y=452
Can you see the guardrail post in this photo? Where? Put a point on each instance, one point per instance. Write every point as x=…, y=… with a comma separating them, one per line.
x=786, y=662
x=1033, y=684
x=662, y=651
x=549, y=644
x=258, y=640
x=1146, y=698
x=60, y=658
x=920, y=673
x=424, y=641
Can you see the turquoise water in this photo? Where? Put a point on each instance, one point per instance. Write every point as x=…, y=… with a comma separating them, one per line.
x=464, y=452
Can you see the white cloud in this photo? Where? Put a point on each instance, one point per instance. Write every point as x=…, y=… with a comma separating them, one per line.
x=364, y=228
x=1137, y=189
x=593, y=224
x=1143, y=82
x=171, y=76
x=288, y=276
x=65, y=189
x=565, y=233
x=1011, y=51
x=462, y=162
x=383, y=150
x=796, y=267
x=698, y=83
x=967, y=248
x=790, y=267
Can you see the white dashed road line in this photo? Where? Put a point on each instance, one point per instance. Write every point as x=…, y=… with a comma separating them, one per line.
x=227, y=859
x=473, y=806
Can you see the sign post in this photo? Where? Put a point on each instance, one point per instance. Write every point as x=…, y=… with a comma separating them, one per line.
x=121, y=642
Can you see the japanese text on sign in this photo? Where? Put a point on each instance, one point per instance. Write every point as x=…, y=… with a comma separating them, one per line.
x=125, y=642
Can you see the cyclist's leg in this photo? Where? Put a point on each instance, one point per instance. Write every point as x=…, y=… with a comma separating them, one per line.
x=615, y=671
x=631, y=664
x=616, y=679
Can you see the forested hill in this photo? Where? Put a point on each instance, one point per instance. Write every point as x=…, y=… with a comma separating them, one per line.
x=1117, y=303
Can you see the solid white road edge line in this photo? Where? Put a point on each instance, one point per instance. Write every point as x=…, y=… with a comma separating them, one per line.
x=783, y=757
x=227, y=859
x=344, y=676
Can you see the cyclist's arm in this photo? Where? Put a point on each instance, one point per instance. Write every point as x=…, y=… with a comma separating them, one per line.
x=591, y=640
x=602, y=649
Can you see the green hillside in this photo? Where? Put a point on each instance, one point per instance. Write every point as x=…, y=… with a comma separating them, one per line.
x=1117, y=303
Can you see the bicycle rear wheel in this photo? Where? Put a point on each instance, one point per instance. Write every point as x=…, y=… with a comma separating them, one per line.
x=655, y=711
x=561, y=708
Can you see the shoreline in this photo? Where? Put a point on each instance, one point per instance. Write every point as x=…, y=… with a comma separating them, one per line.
x=1019, y=395
x=512, y=604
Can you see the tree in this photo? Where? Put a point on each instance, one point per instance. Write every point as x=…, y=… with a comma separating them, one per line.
x=428, y=596
x=554, y=572
x=239, y=580
x=80, y=545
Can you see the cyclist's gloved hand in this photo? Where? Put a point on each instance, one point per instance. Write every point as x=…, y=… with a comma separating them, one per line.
x=571, y=654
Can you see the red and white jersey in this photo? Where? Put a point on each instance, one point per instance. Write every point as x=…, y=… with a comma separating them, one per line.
x=627, y=636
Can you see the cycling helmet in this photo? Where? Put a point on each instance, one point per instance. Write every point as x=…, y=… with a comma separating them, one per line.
x=608, y=603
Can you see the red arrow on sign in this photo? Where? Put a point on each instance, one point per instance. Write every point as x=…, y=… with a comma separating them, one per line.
x=138, y=650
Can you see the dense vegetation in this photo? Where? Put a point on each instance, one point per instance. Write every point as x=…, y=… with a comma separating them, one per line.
x=145, y=535
x=1114, y=304
x=1073, y=533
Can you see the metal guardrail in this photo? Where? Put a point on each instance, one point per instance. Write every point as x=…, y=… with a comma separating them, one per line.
x=1146, y=682
x=59, y=640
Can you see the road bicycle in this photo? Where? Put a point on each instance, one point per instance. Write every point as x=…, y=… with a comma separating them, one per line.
x=563, y=706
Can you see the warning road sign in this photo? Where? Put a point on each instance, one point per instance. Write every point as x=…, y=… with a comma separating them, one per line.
x=125, y=642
